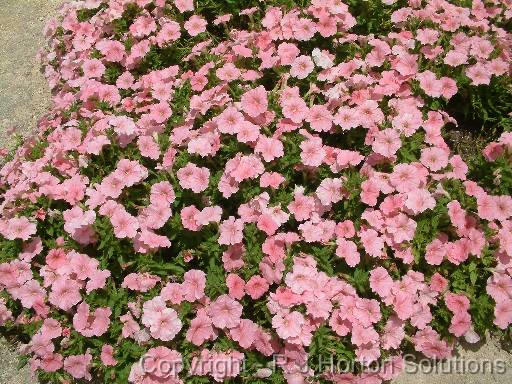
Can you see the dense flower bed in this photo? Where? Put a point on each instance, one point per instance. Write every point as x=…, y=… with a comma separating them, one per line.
x=214, y=187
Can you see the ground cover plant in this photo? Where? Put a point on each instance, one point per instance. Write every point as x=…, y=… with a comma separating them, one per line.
x=228, y=181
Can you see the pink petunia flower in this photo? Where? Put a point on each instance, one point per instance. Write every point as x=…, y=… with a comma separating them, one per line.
x=162, y=322
x=225, y=312
x=288, y=324
x=78, y=366
x=256, y=287
x=387, y=142
x=302, y=66
x=91, y=324
x=231, y=231
x=193, y=177
x=236, y=286
x=255, y=102
x=18, y=228
x=107, y=355
x=381, y=282
x=201, y=329
x=195, y=25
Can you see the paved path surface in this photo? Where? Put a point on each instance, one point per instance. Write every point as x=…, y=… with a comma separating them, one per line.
x=485, y=363
x=24, y=97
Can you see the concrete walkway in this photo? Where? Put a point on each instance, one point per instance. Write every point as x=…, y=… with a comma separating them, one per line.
x=24, y=97
x=24, y=94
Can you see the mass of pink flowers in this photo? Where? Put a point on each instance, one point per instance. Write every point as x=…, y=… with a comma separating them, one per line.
x=241, y=198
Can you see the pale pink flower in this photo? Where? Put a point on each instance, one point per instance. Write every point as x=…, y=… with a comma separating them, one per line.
x=434, y=158
x=302, y=207
x=255, y=102
x=225, y=312
x=346, y=118
x=228, y=72
x=393, y=333
x=231, y=118
x=419, y=200
x=288, y=324
x=173, y=292
x=18, y=228
x=141, y=282
x=231, y=231
x=30, y=293
x=78, y=366
x=345, y=229
x=162, y=364
x=407, y=123
x=302, y=66
x=232, y=257
x=256, y=287
x=460, y=324
x=448, y=87
x=312, y=152
x=347, y=250
x=195, y=25
x=503, y=314
x=130, y=172
x=169, y=32
x=51, y=362
x=478, y=74
x=247, y=132
x=381, y=282
x=369, y=113
x=148, y=147
x=201, y=329
x=406, y=64
x=5, y=313
x=244, y=333
x=159, y=113
x=184, y=5
x=330, y=191
x=236, y=286
x=435, y=252
x=438, y=283
x=51, y=328
x=193, y=177
x=387, y=142
x=208, y=215
x=91, y=324
x=65, y=293
x=457, y=303
x=125, y=225
x=455, y=58
x=143, y=26
x=193, y=285
x=429, y=83
x=287, y=52
x=401, y=227
x=372, y=242
x=271, y=179
x=405, y=178
x=295, y=109
x=162, y=193
x=267, y=224
x=269, y=148
x=107, y=355
x=188, y=218
x=93, y=68
x=320, y=118
x=162, y=322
